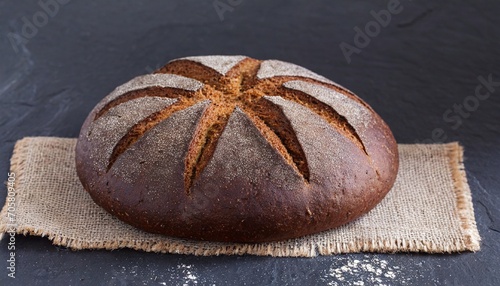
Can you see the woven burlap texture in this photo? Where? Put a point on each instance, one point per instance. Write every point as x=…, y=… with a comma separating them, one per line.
x=429, y=209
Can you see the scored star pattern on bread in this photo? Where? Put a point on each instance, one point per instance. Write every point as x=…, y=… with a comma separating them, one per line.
x=239, y=87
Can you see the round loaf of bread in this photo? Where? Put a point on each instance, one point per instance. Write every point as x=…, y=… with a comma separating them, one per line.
x=230, y=148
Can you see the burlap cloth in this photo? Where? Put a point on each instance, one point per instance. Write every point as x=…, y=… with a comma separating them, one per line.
x=429, y=209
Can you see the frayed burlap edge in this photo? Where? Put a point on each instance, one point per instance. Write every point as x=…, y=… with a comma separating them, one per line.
x=17, y=163
x=17, y=166
x=277, y=249
x=463, y=197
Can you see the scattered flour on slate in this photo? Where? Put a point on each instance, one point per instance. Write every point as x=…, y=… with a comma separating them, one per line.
x=189, y=276
x=368, y=271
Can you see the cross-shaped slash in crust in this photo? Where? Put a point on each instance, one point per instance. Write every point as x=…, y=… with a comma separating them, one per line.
x=239, y=87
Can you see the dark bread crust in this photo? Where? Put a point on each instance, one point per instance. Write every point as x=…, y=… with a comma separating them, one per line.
x=246, y=156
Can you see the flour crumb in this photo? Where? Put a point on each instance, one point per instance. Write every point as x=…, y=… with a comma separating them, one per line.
x=190, y=277
x=369, y=271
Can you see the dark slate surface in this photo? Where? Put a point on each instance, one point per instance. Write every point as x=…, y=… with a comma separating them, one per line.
x=418, y=67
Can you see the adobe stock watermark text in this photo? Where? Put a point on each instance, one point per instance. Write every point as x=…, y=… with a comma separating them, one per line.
x=460, y=111
x=11, y=226
x=363, y=37
x=32, y=24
